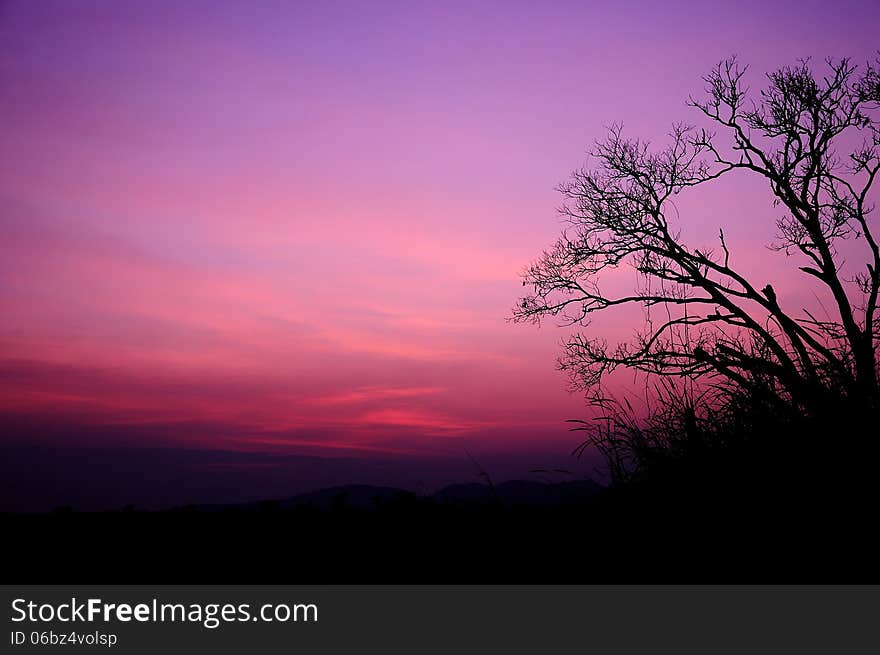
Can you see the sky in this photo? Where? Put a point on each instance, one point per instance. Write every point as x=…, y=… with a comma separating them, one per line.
x=297, y=227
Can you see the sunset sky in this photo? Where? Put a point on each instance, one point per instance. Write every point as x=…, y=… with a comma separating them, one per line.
x=297, y=227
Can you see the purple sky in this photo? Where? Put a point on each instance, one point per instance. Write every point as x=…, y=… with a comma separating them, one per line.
x=297, y=227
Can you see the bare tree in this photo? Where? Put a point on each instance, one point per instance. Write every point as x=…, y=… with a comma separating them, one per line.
x=815, y=140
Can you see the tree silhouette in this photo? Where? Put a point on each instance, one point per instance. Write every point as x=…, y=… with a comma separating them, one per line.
x=815, y=141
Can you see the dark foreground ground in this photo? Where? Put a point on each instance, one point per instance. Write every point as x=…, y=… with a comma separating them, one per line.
x=476, y=535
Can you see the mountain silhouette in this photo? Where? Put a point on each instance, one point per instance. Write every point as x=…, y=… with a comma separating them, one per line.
x=514, y=493
x=521, y=493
